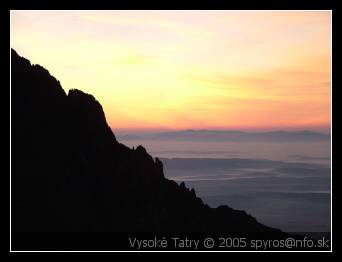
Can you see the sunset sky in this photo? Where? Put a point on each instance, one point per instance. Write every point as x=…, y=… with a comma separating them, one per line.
x=188, y=69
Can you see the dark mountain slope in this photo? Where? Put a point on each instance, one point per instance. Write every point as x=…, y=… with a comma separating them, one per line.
x=69, y=173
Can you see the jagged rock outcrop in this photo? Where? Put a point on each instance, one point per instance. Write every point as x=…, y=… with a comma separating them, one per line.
x=70, y=173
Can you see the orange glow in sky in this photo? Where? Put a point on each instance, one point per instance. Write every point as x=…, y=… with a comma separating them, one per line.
x=188, y=69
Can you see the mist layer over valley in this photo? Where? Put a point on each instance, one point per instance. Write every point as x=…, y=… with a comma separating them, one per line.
x=283, y=178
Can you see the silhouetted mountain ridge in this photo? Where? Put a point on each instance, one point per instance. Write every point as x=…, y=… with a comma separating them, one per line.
x=71, y=174
x=204, y=135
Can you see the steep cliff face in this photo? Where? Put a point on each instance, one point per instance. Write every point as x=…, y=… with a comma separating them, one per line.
x=69, y=173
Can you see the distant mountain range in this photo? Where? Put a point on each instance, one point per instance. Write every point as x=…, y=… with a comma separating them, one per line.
x=230, y=136
x=70, y=174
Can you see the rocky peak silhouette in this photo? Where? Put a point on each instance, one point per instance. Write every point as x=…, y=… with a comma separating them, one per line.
x=71, y=174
